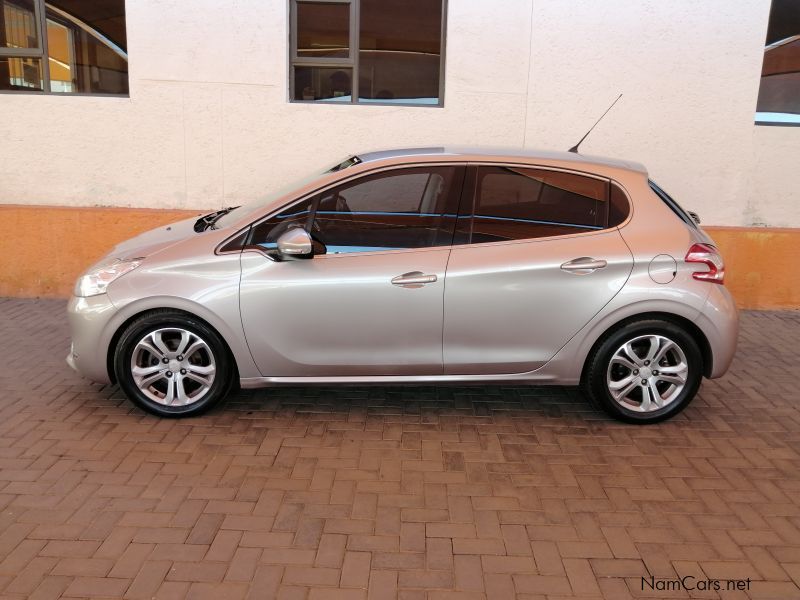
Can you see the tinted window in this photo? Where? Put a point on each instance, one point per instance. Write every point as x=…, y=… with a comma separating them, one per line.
x=673, y=206
x=323, y=29
x=83, y=44
x=408, y=208
x=367, y=51
x=513, y=204
x=266, y=233
x=779, y=94
x=400, y=51
x=618, y=207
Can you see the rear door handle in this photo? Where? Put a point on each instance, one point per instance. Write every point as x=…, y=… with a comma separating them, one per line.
x=583, y=265
x=414, y=278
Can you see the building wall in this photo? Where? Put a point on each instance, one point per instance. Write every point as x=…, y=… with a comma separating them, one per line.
x=208, y=122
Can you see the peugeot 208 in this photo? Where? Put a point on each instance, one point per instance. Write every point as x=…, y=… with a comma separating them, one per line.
x=420, y=265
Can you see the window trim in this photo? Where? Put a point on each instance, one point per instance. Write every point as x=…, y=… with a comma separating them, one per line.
x=352, y=62
x=43, y=53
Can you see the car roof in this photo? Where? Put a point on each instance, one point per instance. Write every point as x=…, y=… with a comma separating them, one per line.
x=477, y=153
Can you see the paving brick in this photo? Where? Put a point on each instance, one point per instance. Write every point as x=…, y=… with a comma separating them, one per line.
x=416, y=493
x=355, y=569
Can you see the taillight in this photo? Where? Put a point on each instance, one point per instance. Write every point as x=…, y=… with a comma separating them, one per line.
x=707, y=255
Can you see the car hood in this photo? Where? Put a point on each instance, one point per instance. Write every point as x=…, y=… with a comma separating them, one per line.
x=155, y=240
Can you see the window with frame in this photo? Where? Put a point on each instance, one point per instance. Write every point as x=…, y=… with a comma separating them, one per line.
x=63, y=47
x=524, y=203
x=779, y=93
x=392, y=210
x=367, y=51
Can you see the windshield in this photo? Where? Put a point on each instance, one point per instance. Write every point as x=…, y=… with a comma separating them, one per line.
x=251, y=207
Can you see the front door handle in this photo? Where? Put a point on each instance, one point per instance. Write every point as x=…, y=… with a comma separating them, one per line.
x=413, y=279
x=583, y=265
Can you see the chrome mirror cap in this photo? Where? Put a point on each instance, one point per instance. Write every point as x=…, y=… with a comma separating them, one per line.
x=295, y=243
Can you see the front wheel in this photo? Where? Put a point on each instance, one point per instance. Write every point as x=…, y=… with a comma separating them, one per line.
x=172, y=365
x=644, y=372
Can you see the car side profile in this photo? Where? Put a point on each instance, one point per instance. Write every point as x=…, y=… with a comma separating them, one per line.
x=425, y=265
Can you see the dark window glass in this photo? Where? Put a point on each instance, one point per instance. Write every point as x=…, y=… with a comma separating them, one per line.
x=779, y=94
x=515, y=204
x=618, y=206
x=396, y=55
x=18, y=24
x=266, y=233
x=323, y=83
x=399, y=50
x=20, y=74
x=84, y=45
x=323, y=29
x=410, y=208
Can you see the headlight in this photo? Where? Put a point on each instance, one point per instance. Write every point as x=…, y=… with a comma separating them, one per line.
x=97, y=279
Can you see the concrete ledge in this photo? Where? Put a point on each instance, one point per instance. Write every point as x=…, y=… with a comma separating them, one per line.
x=43, y=249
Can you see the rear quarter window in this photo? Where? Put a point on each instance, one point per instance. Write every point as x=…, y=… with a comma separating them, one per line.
x=673, y=206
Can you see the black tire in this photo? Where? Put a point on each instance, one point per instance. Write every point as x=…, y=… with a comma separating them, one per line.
x=215, y=348
x=595, y=383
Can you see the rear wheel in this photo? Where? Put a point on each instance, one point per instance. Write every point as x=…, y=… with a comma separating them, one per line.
x=172, y=365
x=644, y=372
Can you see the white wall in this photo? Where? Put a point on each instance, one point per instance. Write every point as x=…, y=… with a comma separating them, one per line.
x=208, y=123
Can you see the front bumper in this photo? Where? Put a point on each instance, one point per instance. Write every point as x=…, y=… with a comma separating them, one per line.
x=88, y=320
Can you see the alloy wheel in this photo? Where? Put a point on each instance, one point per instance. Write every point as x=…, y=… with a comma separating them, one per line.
x=647, y=373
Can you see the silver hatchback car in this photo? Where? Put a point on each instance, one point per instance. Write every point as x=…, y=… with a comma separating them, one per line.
x=420, y=265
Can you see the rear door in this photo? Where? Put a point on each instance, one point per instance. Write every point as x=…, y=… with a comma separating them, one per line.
x=534, y=261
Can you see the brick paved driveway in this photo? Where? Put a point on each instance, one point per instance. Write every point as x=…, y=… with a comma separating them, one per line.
x=451, y=492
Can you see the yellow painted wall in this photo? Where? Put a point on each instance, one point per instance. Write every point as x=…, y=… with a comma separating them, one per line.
x=44, y=249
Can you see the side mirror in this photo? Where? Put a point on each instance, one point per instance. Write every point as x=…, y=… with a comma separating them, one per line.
x=295, y=243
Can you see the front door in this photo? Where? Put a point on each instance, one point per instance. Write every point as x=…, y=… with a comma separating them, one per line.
x=539, y=263
x=370, y=301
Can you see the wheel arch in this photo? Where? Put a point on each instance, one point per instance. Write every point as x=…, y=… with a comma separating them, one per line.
x=118, y=327
x=690, y=327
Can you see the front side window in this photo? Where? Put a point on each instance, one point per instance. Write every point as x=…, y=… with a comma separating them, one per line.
x=522, y=203
x=367, y=51
x=63, y=46
x=394, y=210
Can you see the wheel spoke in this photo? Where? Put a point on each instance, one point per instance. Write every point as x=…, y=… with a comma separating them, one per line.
x=202, y=370
x=169, y=397
x=653, y=350
x=144, y=376
x=618, y=385
x=628, y=349
x=146, y=345
x=183, y=399
x=623, y=393
x=196, y=345
x=676, y=379
x=158, y=342
x=621, y=360
x=653, y=392
x=185, y=337
x=668, y=345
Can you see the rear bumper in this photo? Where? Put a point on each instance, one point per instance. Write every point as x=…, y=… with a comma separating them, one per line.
x=88, y=318
x=719, y=321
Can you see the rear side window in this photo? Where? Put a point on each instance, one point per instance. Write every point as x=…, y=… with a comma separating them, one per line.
x=674, y=206
x=521, y=203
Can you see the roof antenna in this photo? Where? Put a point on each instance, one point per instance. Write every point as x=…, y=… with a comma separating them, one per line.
x=575, y=147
